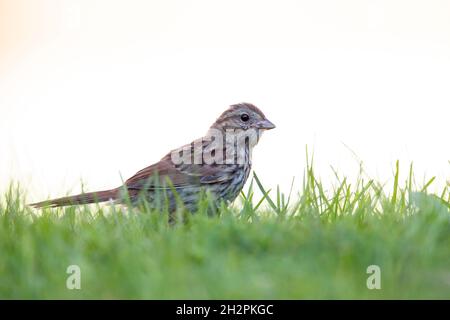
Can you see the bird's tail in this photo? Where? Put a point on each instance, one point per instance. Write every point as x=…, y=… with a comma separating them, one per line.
x=84, y=198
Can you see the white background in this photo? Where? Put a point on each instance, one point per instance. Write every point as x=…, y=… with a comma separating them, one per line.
x=91, y=89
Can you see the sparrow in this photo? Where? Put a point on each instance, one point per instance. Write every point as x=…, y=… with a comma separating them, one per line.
x=217, y=164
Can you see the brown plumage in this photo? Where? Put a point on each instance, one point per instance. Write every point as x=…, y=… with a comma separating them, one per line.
x=218, y=163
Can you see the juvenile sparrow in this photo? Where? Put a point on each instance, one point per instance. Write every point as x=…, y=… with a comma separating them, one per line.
x=218, y=164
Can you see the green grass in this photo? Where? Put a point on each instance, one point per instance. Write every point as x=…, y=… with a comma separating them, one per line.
x=317, y=244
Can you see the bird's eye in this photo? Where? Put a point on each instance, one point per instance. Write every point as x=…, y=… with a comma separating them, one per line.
x=245, y=117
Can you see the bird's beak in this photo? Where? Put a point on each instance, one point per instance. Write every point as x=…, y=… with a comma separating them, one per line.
x=265, y=125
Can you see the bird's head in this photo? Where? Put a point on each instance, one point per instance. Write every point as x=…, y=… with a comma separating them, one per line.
x=243, y=116
x=242, y=123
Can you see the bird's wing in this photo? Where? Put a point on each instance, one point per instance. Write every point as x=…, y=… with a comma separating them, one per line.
x=184, y=175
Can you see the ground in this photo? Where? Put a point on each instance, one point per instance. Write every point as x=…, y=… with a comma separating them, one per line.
x=318, y=246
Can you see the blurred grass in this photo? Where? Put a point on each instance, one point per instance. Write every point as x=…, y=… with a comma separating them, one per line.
x=317, y=244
